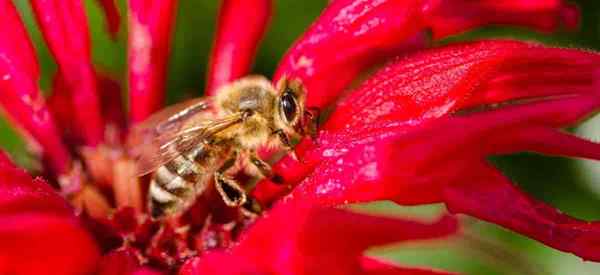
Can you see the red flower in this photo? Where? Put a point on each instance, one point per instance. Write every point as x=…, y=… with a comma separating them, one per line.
x=416, y=132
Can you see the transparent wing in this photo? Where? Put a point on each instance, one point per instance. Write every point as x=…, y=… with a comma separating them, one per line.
x=173, y=131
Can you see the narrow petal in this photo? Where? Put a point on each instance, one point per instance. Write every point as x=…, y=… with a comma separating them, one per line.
x=113, y=18
x=352, y=35
x=489, y=196
x=240, y=28
x=150, y=27
x=62, y=107
x=65, y=29
x=377, y=267
x=316, y=241
x=21, y=98
x=436, y=82
x=450, y=17
x=36, y=223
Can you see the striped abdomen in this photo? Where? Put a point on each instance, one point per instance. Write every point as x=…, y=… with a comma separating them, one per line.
x=175, y=185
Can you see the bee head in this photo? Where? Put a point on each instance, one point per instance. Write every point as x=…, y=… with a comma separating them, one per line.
x=290, y=111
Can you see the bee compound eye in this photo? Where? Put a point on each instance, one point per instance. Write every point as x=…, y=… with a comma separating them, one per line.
x=289, y=108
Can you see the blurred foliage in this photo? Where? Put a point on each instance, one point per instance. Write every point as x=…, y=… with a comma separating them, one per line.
x=483, y=248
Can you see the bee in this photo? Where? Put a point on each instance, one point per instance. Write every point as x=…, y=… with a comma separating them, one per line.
x=193, y=144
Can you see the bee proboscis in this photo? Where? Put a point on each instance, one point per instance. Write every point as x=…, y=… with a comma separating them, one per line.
x=192, y=144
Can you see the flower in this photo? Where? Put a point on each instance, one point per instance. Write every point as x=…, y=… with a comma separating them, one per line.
x=416, y=132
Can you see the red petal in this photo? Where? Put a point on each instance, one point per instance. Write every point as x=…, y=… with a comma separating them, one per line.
x=240, y=27
x=21, y=98
x=296, y=239
x=413, y=165
x=36, y=223
x=376, y=267
x=123, y=262
x=62, y=107
x=436, y=82
x=20, y=193
x=113, y=18
x=450, y=17
x=352, y=35
x=64, y=26
x=150, y=27
x=487, y=195
x=34, y=243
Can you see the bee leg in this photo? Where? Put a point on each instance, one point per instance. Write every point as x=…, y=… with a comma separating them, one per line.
x=313, y=115
x=232, y=193
x=251, y=208
x=265, y=169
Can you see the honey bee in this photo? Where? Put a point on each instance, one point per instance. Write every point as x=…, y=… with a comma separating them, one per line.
x=192, y=144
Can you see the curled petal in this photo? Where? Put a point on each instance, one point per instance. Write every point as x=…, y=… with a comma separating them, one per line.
x=240, y=27
x=150, y=27
x=21, y=98
x=352, y=35
x=113, y=18
x=487, y=195
x=316, y=241
x=65, y=29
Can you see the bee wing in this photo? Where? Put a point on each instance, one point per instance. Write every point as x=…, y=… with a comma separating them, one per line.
x=174, y=131
x=173, y=117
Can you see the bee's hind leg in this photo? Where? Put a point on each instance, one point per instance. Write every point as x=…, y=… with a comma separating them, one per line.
x=230, y=190
x=232, y=193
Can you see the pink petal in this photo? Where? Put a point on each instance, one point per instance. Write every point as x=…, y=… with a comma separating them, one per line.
x=65, y=29
x=353, y=35
x=113, y=18
x=150, y=27
x=240, y=28
x=39, y=232
x=315, y=241
x=21, y=98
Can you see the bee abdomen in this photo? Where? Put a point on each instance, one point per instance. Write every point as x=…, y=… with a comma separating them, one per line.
x=175, y=184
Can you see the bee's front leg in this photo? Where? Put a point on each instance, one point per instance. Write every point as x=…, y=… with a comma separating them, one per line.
x=264, y=168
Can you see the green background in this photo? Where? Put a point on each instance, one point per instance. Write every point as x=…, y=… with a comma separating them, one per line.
x=573, y=186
